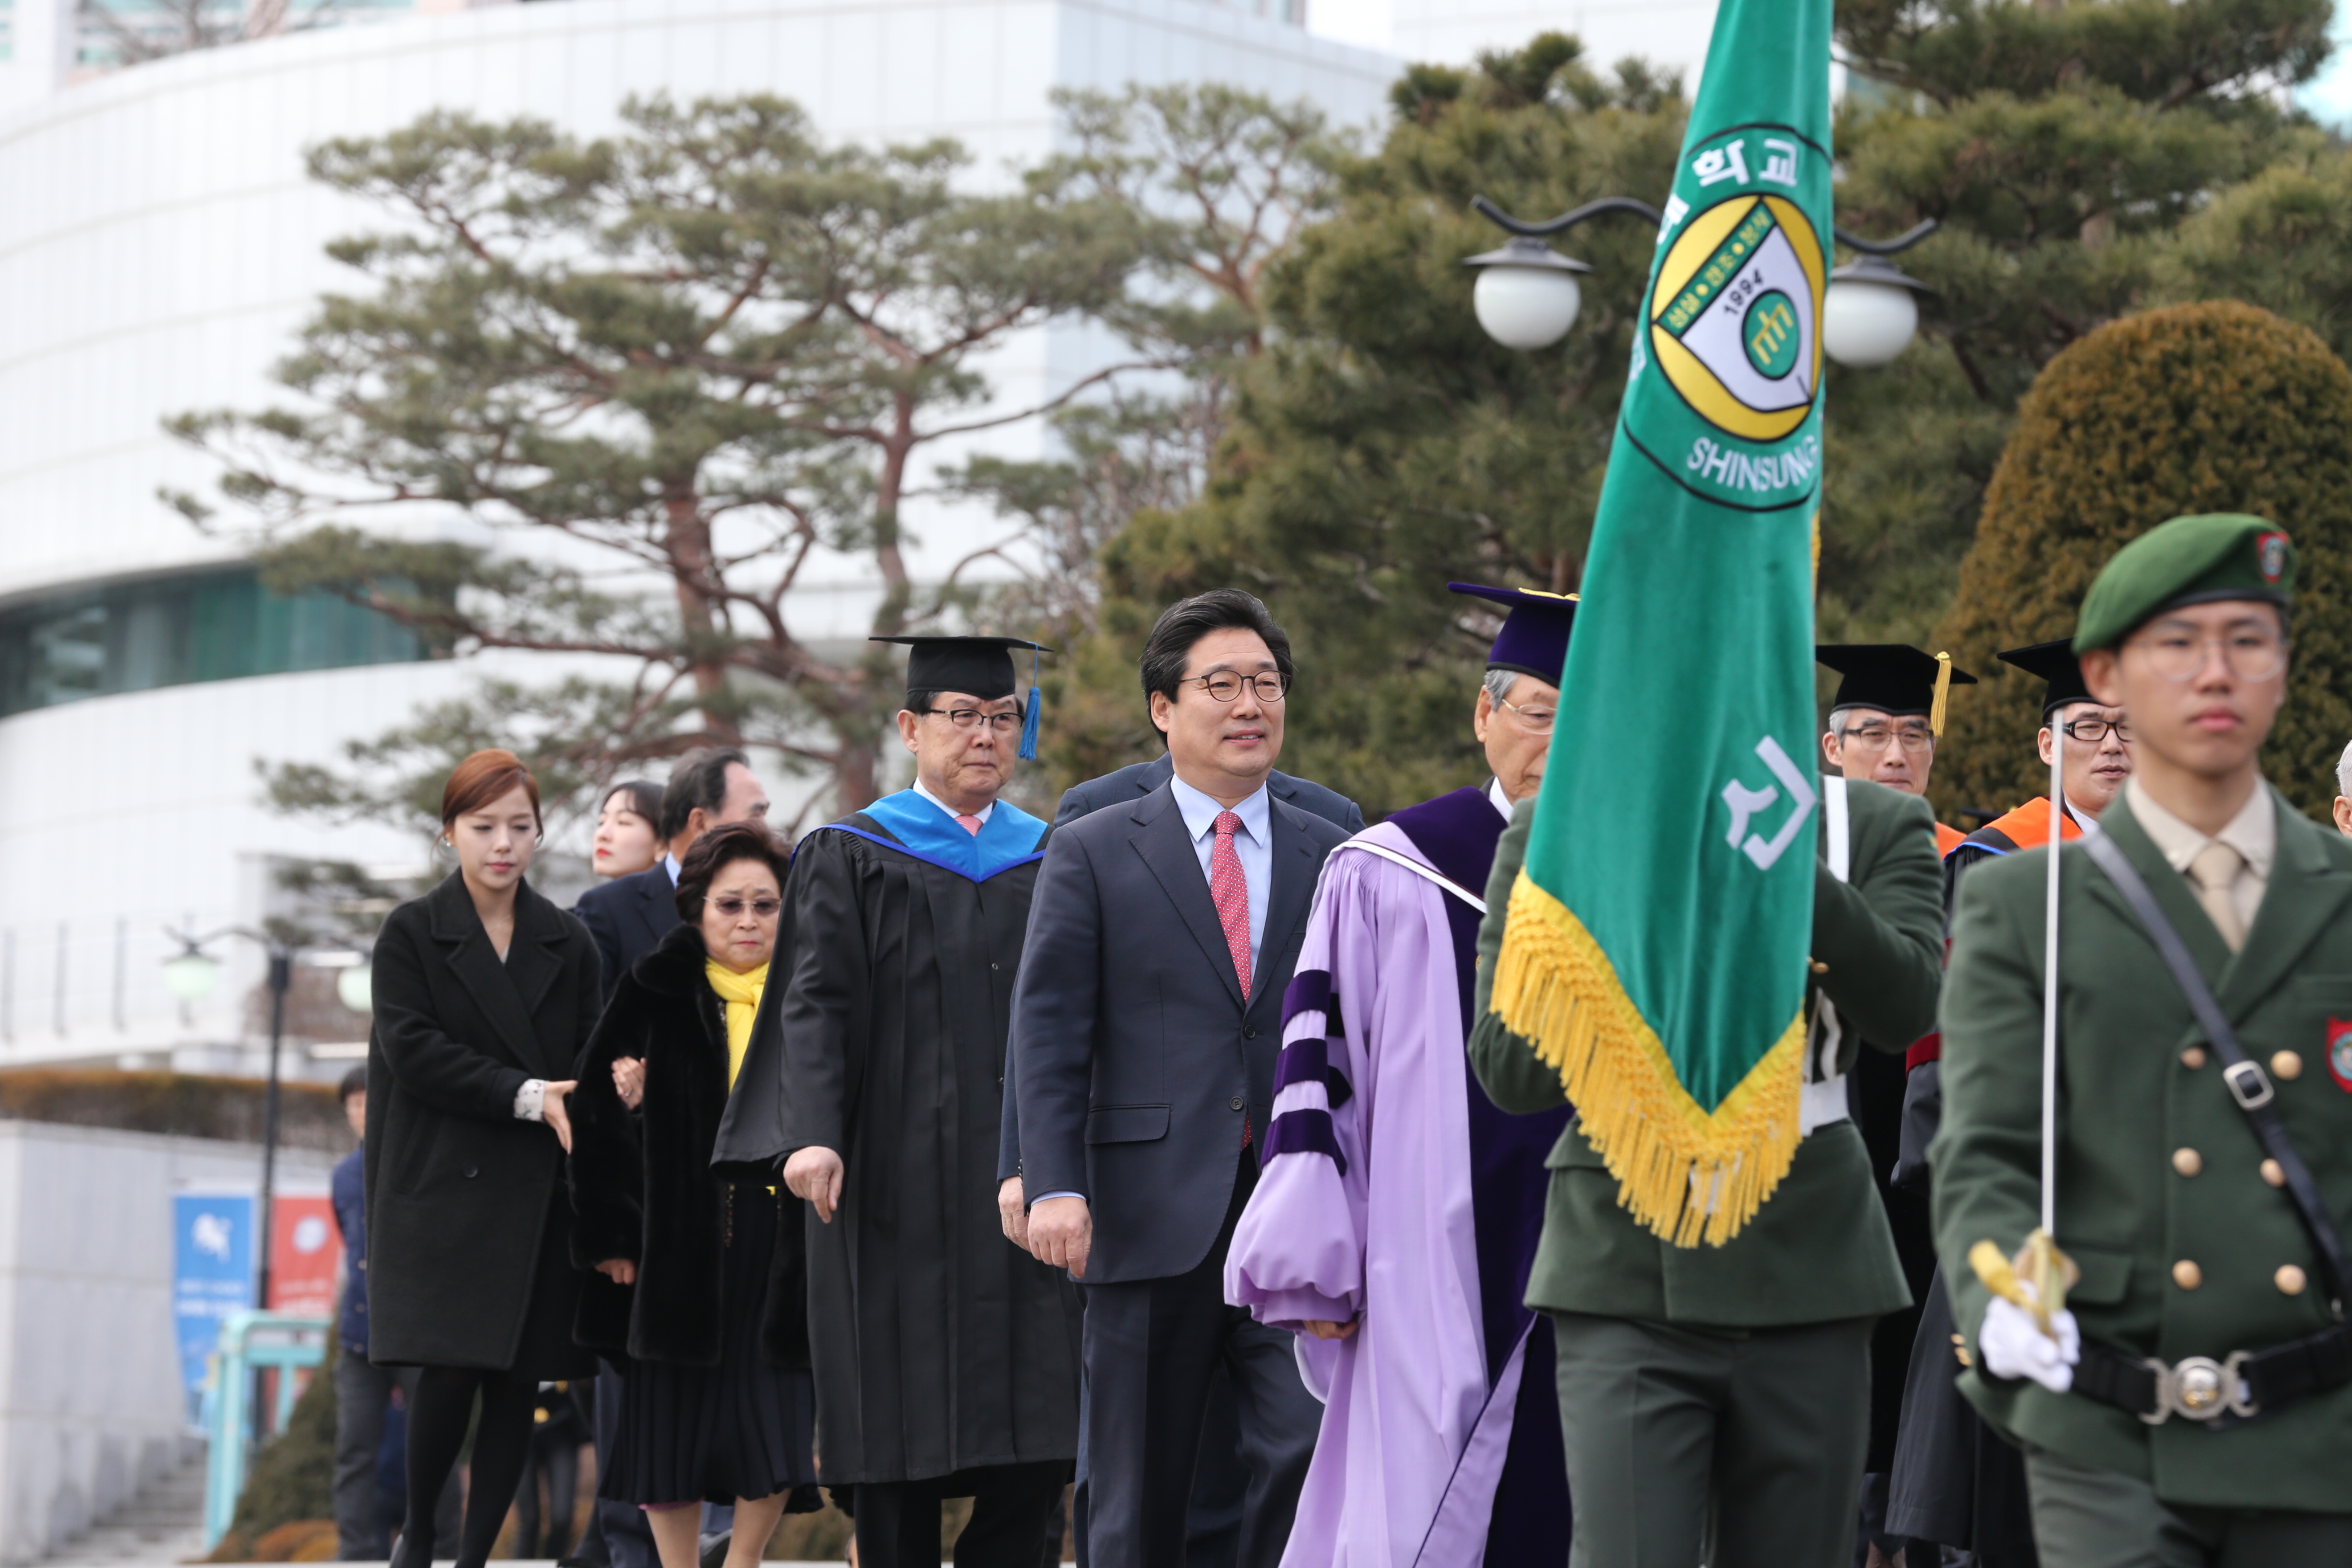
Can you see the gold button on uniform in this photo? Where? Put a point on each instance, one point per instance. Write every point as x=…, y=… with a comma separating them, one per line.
x=2186, y=1275
x=2188, y=1161
x=2286, y=1065
x=2272, y=1174
x=2193, y=1057
x=2289, y=1280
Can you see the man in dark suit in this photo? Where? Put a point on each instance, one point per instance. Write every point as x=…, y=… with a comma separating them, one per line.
x=1146, y=1024
x=1221, y=1481
x=628, y=915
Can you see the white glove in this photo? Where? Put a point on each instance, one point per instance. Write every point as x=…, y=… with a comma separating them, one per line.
x=2012, y=1344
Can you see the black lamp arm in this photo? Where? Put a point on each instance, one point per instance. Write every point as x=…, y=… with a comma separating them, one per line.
x=1566, y=220
x=1904, y=241
x=1644, y=211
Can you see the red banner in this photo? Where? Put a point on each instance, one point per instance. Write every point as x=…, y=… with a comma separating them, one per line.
x=304, y=1254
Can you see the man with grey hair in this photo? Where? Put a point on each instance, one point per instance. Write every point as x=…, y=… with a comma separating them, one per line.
x=1382, y=1145
x=2344, y=792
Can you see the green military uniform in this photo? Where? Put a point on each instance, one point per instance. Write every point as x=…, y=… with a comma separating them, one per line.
x=1738, y=1374
x=2184, y=1248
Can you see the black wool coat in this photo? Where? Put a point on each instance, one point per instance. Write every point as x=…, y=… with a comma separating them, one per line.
x=459, y=1193
x=643, y=1183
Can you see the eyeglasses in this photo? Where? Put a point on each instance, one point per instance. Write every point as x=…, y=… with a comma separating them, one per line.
x=2092, y=730
x=2250, y=653
x=1534, y=721
x=1875, y=737
x=973, y=719
x=762, y=909
x=1226, y=687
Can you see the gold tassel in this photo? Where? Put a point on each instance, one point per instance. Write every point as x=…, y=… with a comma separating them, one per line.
x=1687, y=1176
x=1943, y=695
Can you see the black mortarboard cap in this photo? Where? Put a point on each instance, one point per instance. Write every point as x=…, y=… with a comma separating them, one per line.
x=1894, y=678
x=1534, y=639
x=2054, y=663
x=980, y=665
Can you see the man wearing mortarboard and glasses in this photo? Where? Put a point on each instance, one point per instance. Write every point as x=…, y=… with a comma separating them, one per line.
x=1887, y=716
x=946, y=1362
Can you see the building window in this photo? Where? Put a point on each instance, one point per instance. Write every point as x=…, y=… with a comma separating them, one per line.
x=214, y=625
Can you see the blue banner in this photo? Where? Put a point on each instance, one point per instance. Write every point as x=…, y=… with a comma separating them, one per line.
x=212, y=1277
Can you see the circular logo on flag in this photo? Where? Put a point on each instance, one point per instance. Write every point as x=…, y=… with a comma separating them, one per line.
x=1735, y=322
x=309, y=1234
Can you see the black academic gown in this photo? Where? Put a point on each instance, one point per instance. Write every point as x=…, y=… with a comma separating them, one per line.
x=936, y=1344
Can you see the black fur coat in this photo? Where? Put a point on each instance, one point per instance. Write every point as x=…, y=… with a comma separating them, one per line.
x=642, y=1183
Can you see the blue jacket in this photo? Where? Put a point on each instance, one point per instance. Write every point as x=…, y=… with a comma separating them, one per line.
x=349, y=1194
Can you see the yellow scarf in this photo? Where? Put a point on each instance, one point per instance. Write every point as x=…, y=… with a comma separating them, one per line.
x=741, y=994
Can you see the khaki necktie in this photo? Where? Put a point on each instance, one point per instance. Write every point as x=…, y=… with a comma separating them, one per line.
x=2215, y=872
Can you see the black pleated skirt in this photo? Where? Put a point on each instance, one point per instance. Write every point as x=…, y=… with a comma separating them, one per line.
x=743, y=1428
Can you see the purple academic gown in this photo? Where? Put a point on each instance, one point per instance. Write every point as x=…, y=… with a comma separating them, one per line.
x=1393, y=1189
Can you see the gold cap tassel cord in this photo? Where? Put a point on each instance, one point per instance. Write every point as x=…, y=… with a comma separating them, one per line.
x=2039, y=1263
x=1943, y=695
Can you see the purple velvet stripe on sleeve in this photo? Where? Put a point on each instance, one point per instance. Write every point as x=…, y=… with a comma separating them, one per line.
x=1310, y=991
x=1303, y=1133
x=1308, y=1059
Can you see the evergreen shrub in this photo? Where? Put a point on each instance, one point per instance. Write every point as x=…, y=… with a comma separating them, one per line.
x=2215, y=406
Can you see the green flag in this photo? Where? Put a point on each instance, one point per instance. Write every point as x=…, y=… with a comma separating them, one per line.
x=1657, y=936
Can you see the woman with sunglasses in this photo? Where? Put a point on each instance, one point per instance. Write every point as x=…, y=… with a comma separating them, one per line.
x=697, y=1276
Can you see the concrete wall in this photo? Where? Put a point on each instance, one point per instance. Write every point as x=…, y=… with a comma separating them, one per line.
x=90, y=1408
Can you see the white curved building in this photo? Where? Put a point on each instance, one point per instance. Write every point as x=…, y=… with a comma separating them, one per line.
x=159, y=244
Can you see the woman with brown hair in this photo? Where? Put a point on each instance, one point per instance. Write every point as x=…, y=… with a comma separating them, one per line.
x=484, y=994
x=698, y=1271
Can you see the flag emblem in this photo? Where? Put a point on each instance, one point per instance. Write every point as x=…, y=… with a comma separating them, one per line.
x=1736, y=328
x=2339, y=1053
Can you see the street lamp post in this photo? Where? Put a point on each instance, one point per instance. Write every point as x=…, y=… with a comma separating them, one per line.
x=191, y=974
x=1527, y=296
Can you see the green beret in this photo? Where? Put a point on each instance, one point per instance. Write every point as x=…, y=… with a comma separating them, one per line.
x=2188, y=561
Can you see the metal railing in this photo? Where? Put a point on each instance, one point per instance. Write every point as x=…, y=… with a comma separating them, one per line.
x=250, y=1342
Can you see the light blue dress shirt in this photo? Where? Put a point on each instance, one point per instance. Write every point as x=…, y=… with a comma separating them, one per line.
x=1254, y=846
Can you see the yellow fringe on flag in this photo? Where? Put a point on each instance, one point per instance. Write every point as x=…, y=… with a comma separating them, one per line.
x=1687, y=1174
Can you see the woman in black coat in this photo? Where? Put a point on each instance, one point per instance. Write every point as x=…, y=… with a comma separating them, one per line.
x=484, y=994
x=698, y=1277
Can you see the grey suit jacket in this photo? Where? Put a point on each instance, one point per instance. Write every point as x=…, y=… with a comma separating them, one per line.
x=1134, y=1054
x=1131, y=784
x=1139, y=779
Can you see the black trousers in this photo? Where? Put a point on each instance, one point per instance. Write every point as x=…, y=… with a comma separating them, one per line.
x=1013, y=1508
x=365, y=1515
x=1151, y=1347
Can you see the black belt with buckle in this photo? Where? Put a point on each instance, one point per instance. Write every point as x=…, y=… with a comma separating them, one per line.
x=2216, y=1394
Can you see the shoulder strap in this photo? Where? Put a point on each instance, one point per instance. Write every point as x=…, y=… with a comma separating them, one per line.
x=2248, y=1084
x=1418, y=869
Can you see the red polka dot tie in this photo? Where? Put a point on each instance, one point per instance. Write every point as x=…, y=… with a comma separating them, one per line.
x=1230, y=888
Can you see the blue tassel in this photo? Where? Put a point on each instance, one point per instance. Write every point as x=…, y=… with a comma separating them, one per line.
x=1029, y=727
